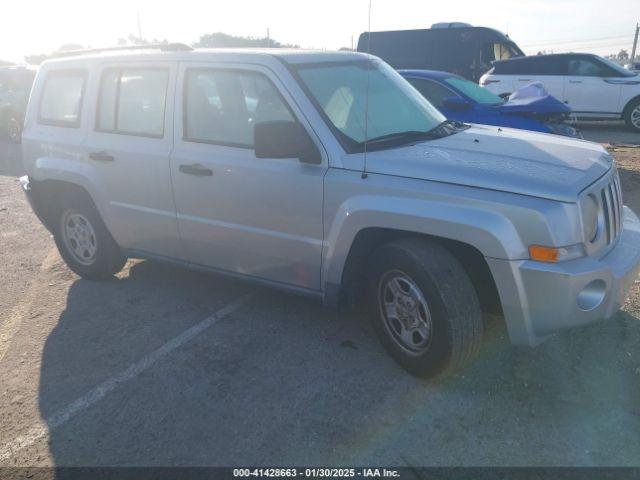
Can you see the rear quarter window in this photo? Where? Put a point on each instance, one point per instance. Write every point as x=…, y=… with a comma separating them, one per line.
x=61, y=101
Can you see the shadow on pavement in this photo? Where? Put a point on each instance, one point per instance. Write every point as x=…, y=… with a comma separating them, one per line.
x=286, y=382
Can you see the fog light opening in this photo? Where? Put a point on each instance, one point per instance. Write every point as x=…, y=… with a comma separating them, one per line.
x=592, y=295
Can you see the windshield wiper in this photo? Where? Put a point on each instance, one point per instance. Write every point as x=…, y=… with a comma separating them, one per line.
x=447, y=127
x=408, y=135
x=443, y=129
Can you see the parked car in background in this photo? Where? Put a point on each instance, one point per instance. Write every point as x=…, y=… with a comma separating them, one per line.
x=593, y=87
x=15, y=85
x=460, y=99
x=633, y=66
x=263, y=165
x=451, y=47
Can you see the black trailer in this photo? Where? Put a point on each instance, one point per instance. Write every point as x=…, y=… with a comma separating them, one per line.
x=464, y=50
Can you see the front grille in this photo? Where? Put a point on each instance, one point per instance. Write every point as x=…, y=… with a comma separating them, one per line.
x=611, y=197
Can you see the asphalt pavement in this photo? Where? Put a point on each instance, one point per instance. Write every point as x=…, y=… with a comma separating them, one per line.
x=163, y=366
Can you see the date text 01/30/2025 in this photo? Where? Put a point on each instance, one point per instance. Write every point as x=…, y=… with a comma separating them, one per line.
x=316, y=472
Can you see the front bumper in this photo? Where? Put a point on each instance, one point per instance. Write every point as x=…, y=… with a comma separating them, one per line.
x=540, y=299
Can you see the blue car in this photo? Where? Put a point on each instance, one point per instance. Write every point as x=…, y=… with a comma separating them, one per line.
x=531, y=108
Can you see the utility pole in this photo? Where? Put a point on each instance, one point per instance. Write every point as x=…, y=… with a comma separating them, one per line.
x=139, y=27
x=268, y=37
x=635, y=43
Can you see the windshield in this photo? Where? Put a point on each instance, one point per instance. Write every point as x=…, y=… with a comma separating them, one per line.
x=622, y=72
x=339, y=91
x=474, y=91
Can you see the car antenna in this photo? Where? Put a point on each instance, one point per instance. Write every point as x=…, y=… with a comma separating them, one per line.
x=366, y=99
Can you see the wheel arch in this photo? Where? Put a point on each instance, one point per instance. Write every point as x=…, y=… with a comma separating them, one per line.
x=629, y=104
x=486, y=230
x=47, y=195
x=369, y=239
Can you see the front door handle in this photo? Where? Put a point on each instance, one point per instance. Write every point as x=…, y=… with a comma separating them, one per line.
x=101, y=156
x=196, y=169
x=575, y=81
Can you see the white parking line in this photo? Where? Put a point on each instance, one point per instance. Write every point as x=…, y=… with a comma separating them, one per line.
x=39, y=431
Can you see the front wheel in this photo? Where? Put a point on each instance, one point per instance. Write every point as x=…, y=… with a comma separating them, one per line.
x=423, y=306
x=84, y=241
x=632, y=115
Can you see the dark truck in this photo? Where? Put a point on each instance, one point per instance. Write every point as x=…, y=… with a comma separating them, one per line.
x=15, y=86
x=451, y=47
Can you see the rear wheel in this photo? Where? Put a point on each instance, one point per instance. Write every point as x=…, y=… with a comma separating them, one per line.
x=83, y=240
x=632, y=115
x=14, y=128
x=423, y=306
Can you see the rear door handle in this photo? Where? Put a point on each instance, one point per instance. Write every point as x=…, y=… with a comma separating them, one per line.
x=524, y=79
x=575, y=81
x=101, y=156
x=196, y=169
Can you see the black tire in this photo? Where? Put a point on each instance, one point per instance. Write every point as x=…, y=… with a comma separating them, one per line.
x=107, y=259
x=456, y=325
x=631, y=114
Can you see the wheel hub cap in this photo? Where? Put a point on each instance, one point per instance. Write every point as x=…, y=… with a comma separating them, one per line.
x=79, y=237
x=405, y=312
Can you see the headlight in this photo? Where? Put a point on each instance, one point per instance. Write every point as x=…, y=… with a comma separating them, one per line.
x=564, y=129
x=590, y=218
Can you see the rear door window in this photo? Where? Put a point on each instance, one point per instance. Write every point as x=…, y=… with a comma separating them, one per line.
x=61, y=101
x=132, y=101
x=583, y=67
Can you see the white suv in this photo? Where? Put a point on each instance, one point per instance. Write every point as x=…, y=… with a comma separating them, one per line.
x=594, y=87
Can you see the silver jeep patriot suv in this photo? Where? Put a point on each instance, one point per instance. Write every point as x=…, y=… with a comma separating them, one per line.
x=327, y=174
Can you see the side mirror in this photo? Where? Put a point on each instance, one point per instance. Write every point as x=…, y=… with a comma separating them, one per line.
x=281, y=139
x=456, y=103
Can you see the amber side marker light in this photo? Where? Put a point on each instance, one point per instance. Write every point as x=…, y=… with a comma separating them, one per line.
x=544, y=254
x=556, y=254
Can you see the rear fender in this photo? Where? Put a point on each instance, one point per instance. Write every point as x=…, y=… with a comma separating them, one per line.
x=76, y=172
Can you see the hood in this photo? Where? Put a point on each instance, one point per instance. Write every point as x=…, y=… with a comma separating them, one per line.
x=504, y=159
x=533, y=98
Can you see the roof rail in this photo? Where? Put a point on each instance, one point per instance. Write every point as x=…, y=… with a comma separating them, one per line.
x=164, y=47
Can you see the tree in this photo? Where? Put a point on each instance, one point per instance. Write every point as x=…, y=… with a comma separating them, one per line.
x=37, y=59
x=223, y=40
x=133, y=40
x=622, y=55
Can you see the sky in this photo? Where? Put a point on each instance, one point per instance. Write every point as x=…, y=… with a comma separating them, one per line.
x=34, y=27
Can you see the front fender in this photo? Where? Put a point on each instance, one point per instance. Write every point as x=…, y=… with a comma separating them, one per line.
x=490, y=232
